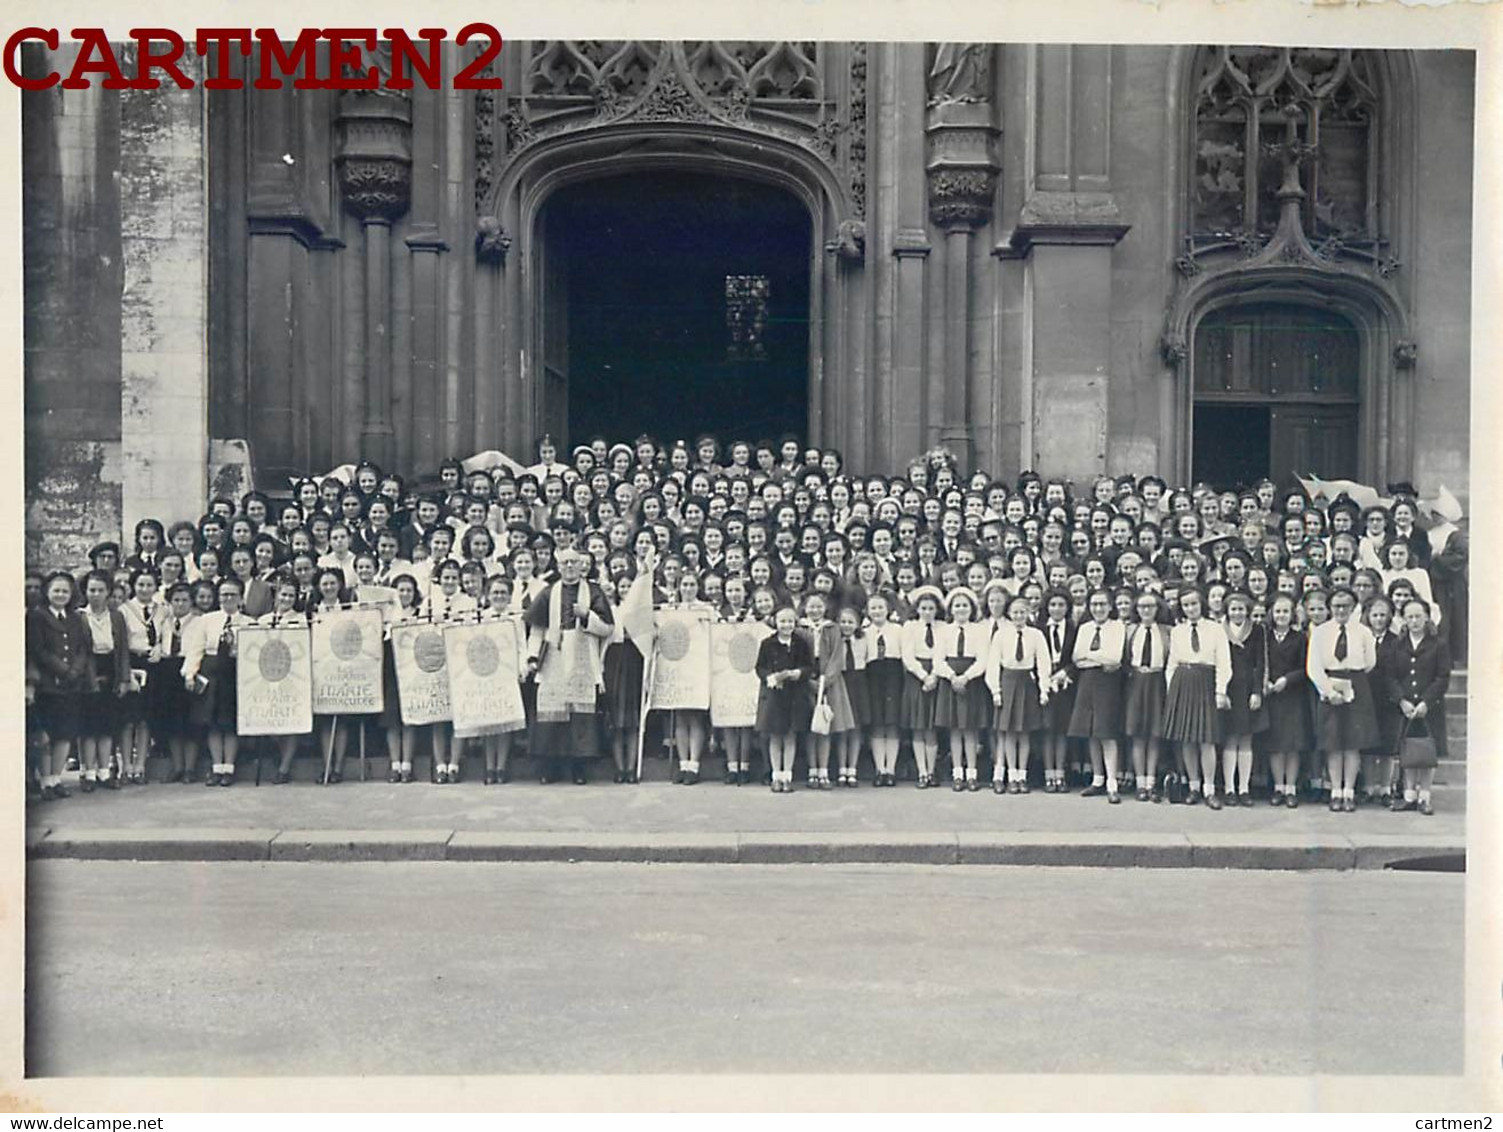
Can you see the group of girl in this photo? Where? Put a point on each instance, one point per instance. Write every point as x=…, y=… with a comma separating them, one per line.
x=1257, y=636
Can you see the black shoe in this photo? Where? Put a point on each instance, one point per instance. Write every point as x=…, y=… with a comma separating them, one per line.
x=394, y=775
x=971, y=784
x=580, y=779
x=441, y=777
x=490, y=778
x=407, y=776
x=47, y=794
x=957, y=785
x=283, y=778
x=213, y=779
x=1244, y=800
x=1093, y=791
x=113, y=782
x=690, y=779
x=86, y=786
x=1213, y=801
x=227, y=779
x=335, y=777
x=1114, y=797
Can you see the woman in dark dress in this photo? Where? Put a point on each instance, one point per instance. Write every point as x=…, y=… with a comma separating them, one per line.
x=785, y=665
x=1289, y=732
x=57, y=651
x=1417, y=682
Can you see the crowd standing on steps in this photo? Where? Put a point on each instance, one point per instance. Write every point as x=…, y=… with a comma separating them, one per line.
x=1117, y=638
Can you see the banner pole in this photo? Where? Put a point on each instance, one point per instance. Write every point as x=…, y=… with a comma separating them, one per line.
x=362, y=750
x=647, y=675
x=329, y=750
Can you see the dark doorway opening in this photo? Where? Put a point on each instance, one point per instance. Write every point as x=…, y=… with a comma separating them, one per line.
x=675, y=304
x=1231, y=445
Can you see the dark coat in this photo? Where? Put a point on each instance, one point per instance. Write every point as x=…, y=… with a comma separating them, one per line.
x=1420, y=675
x=59, y=651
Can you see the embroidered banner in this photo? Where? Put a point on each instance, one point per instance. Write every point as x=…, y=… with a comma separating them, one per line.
x=484, y=692
x=422, y=674
x=734, y=685
x=273, y=682
x=347, y=662
x=681, y=676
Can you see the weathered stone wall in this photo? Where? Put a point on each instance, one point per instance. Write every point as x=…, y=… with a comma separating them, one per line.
x=113, y=205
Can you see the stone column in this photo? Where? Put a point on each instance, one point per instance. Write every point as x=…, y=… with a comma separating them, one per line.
x=163, y=329
x=1066, y=230
x=374, y=161
x=962, y=171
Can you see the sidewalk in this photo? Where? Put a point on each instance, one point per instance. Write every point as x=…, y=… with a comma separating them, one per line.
x=710, y=822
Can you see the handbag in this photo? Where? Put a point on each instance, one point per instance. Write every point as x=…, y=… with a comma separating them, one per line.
x=824, y=714
x=1416, y=752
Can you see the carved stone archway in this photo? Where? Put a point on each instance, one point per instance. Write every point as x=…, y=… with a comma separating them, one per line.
x=652, y=108
x=1369, y=289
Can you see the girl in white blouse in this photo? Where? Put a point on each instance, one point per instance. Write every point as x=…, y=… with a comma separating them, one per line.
x=140, y=614
x=1198, y=670
x=920, y=689
x=884, y=685
x=1097, y=716
x=1342, y=653
x=210, y=650
x=964, y=705
x=1018, y=674
x=1147, y=654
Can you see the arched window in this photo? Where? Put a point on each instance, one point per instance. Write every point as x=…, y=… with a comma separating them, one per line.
x=1255, y=108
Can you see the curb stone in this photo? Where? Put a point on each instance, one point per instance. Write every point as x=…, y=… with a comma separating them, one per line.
x=1072, y=850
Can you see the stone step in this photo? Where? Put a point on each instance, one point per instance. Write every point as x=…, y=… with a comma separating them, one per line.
x=1451, y=772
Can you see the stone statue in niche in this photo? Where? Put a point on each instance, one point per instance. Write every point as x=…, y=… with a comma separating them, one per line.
x=962, y=72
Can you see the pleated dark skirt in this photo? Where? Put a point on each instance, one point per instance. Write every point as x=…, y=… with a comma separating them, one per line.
x=168, y=704
x=858, y=691
x=1020, y=711
x=58, y=715
x=970, y=710
x=918, y=705
x=99, y=709
x=1060, y=708
x=884, y=692
x=1348, y=727
x=216, y=707
x=134, y=706
x=1289, y=728
x=1190, y=714
x=1145, y=705
x=624, y=672
x=1098, y=705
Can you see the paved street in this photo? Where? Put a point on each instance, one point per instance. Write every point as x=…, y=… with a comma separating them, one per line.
x=235, y=968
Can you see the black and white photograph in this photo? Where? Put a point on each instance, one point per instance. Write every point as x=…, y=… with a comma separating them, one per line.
x=814, y=557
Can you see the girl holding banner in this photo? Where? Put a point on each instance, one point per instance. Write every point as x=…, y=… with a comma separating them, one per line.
x=738, y=742
x=284, y=615
x=690, y=726
x=447, y=603
x=330, y=597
